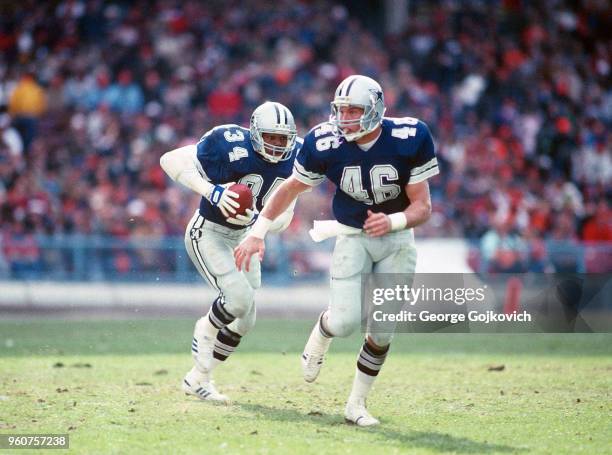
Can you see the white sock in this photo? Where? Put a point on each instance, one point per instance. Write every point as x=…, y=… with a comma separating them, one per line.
x=361, y=386
x=195, y=376
x=205, y=327
x=214, y=363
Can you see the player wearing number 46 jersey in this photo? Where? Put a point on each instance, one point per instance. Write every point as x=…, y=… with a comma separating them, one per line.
x=380, y=167
x=260, y=157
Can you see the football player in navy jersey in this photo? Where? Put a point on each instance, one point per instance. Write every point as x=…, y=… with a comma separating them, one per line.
x=262, y=158
x=380, y=167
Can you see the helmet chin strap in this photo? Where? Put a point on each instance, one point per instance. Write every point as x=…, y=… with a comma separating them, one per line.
x=350, y=137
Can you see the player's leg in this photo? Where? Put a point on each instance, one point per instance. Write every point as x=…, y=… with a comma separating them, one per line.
x=343, y=315
x=229, y=337
x=369, y=362
x=315, y=349
x=206, y=328
x=199, y=383
x=401, y=259
x=213, y=258
x=199, y=379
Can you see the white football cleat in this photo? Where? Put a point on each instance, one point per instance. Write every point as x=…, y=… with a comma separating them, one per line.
x=356, y=413
x=200, y=385
x=202, y=347
x=314, y=353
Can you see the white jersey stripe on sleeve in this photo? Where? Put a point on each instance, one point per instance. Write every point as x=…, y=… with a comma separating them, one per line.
x=312, y=175
x=430, y=164
x=424, y=175
x=305, y=179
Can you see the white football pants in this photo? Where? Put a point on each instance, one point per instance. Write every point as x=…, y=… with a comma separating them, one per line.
x=211, y=249
x=353, y=256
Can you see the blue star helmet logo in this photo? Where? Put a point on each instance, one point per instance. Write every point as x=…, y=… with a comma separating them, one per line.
x=378, y=94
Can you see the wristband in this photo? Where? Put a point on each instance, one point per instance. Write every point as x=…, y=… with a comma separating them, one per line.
x=398, y=221
x=261, y=227
x=215, y=195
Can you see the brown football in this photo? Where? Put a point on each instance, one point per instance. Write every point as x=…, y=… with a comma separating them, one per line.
x=245, y=197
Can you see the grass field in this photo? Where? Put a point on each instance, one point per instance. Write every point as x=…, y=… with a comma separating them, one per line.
x=114, y=387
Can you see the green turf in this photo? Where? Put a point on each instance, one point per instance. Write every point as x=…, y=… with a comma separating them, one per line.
x=117, y=392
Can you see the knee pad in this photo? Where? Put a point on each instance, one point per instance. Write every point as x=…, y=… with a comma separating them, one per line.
x=243, y=325
x=238, y=294
x=339, y=328
x=341, y=324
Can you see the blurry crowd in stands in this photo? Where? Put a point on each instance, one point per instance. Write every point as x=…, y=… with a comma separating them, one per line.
x=516, y=93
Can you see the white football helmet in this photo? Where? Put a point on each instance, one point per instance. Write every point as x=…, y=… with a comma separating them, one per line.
x=273, y=118
x=359, y=91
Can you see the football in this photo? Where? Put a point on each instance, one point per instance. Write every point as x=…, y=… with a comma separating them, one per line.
x=245, y=197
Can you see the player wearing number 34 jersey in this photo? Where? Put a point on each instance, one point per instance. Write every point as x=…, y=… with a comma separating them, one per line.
x=226, y=154
x=260, y=157
x=380, y=167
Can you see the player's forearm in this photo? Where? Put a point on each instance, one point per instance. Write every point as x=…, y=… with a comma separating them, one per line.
x=279, y=203
x=281, y=199
x=418, y=212
x=282, y=221
x=180, y=167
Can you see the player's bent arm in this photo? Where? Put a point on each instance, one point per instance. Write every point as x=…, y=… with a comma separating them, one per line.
x=278, y=204
x=419, y=210
x=180, y=165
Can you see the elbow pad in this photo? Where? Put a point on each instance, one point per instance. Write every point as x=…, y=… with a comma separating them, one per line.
x=180, y=166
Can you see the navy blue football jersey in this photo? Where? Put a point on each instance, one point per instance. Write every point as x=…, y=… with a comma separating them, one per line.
x=368, y=180
x=226, y=154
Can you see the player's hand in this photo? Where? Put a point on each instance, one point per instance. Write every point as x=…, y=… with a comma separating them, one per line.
x=377, y=224
x=243, y=220
x=225, y=199
x=245, y=251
